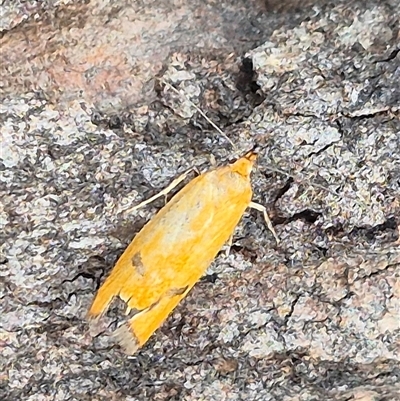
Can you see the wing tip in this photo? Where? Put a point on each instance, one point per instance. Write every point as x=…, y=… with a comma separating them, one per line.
x=126, y=339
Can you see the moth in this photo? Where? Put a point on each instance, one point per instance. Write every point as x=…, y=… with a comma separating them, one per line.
x=174, y=249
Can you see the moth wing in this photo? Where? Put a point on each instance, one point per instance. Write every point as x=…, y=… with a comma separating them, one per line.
x=172, y=251
x=153, y=263
x=140, y=327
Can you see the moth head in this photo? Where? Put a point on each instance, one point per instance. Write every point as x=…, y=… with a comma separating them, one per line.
x=244, y=165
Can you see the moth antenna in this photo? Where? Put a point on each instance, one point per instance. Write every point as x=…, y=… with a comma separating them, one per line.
x=200, y=112
x=255, y=149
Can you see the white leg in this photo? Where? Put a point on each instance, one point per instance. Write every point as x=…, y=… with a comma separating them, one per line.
x=228, y=245
x=164, y=192
x=262, y=209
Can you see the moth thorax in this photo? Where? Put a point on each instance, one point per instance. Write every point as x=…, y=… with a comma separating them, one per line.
x=244, y=165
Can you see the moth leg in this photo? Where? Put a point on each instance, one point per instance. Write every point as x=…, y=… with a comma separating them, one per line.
x=263, y=209
x=164, y=192
x=228, y=245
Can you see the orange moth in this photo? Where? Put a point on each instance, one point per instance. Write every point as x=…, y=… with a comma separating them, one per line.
x=174, y=249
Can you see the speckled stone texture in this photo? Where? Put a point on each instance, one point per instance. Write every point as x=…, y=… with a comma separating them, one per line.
x=90, y=127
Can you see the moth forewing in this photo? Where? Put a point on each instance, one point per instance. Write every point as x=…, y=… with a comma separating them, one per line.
x=174, y=249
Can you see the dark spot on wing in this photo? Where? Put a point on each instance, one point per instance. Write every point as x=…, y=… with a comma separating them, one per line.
x=137, y=264
x=177, y=291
